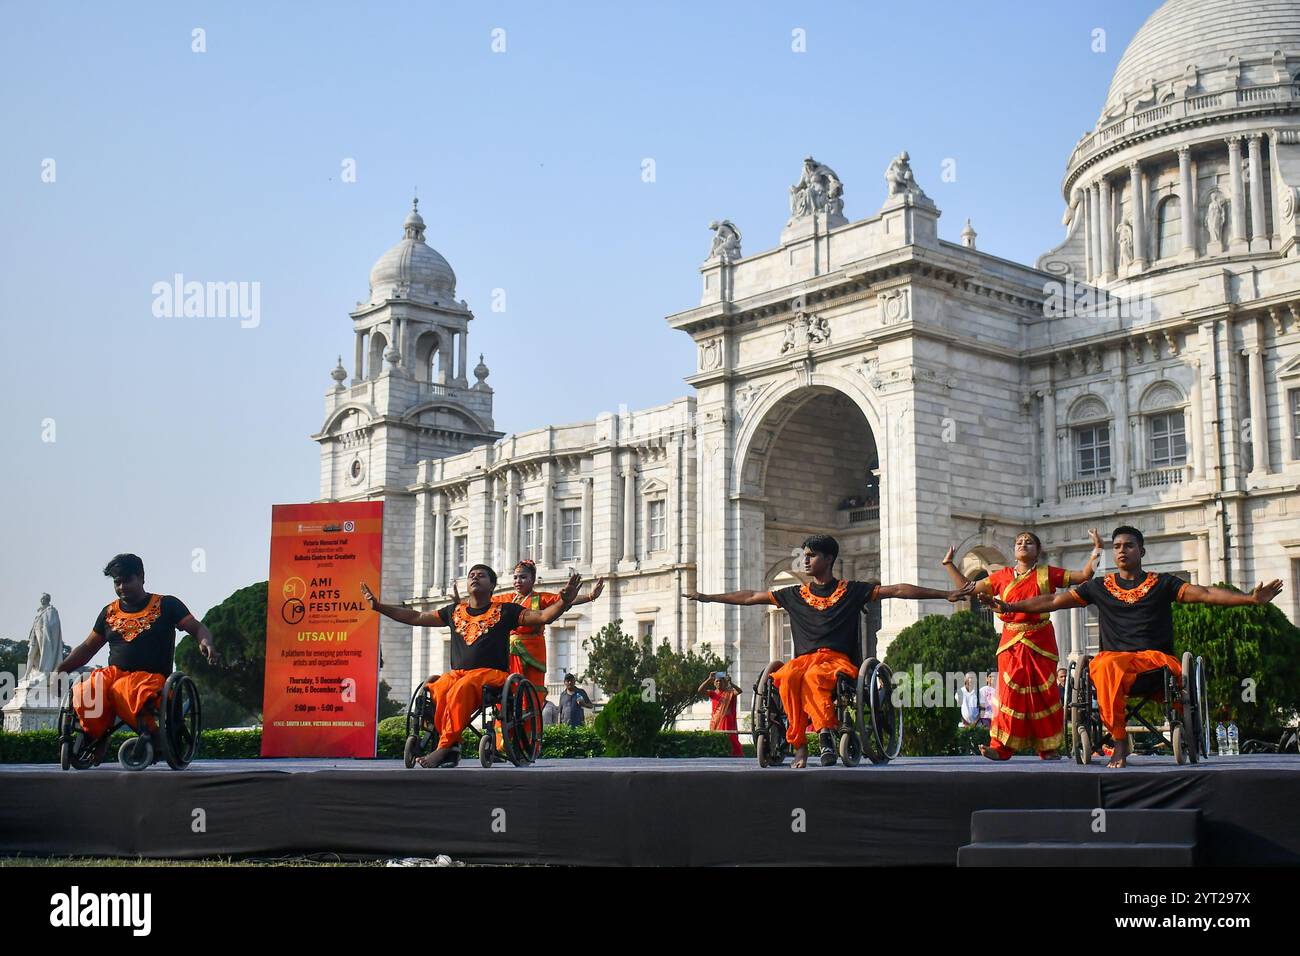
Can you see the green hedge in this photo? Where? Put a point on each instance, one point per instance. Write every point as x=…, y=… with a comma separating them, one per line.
x=42, y=746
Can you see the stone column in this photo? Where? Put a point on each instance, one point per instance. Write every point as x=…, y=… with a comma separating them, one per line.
x=585, y=557
x=1094, y=233
x=423, y=541
x=1119, y=388
x=499, y=521
x=1186, y=201
x=1195, y=424
x=629, y=508
x=462, y=373
x=358, y=363
x=1085, y=213
x=512, y=519
x=1048, y=396
x=548, y=514
x=1259, y=222
x=1137, y=212
x=444, y=356
x=1258, y=411
x=1107, y=231
x=1238, y=242
x=439, y=581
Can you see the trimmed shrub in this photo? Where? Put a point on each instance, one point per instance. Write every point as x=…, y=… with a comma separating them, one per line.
x=628, y=725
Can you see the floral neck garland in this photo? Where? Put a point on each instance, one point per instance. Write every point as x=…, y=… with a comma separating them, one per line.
x=822, y=603
x=1130, y=595
x=131, y=624
x=472, y=627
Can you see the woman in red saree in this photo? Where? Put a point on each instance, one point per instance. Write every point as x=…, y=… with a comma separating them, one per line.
x=1027, y=713
x=723, y=719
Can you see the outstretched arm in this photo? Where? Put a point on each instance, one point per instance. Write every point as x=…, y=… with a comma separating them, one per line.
x=1088, y=568
x=731, y=597
x=82, y=653
x=1263, y=594
x=910, y=592
x=403, y=615
x=1055, y=601
x=532, y=618
x=592, y=594
x=196, y=628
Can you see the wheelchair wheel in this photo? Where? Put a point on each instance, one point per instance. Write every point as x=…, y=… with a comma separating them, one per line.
x=1201, y=707
x=521, y=721
x=1084, y=745
x=136, y=753
x=76, y=748
x=880, y=722
x=180, y=721
x=767, y=720
x=1187, y=711
x=421, y=734
x=850, y=749
x=1179, y=745
x=1067, y=701
x=485, y=749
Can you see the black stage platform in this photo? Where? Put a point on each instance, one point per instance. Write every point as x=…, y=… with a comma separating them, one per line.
x=915, y=811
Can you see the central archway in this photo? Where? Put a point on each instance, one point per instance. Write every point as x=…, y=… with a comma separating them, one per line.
x=812, y=465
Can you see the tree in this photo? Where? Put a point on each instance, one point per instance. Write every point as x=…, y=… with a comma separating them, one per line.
x=929, y=660
x=13, y=657
x=1252, y=660
x=615, y=660
x=677, y=677
x=238, y=626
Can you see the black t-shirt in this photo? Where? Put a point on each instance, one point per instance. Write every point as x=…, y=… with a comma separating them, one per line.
x=481, y=638
x=144, y=639
x=1133, y=615
x=826, y=616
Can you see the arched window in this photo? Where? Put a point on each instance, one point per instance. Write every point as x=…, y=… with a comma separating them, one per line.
x=1169, y=227
x=378, y=345
x=426, y=356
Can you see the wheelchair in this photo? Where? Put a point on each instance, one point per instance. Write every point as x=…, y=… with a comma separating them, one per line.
x=515, y=705
x=1186, y=727
x=179, y=718
x=868, y=721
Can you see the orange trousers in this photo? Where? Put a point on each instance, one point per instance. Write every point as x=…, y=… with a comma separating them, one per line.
x=1113, y=674
x=456, y=695
x=109, y=693
x=806, y=684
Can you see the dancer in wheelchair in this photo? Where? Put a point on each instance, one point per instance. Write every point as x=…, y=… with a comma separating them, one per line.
x=1028, y=714
x=480, y=650
x=824, y=625
x=140, y=631
x=1135, y=622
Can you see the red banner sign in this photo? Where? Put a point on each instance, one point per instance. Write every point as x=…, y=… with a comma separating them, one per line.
x=322, y=640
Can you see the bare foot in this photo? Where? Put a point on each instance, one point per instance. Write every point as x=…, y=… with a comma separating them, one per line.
x=436, y=758
x=1120, y=757
x=990, y=753
x=800, y=757
x=1049, y=755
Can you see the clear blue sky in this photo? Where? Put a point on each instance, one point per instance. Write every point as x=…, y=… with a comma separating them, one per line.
x=176, y=434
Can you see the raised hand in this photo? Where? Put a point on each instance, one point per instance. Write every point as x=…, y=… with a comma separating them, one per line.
x=1096, y=539
x=455, y=592
x=597, y=588
x=962, y=594
x=947, y=558
x=369, y=595
x=571, y=589
x=1264, y=593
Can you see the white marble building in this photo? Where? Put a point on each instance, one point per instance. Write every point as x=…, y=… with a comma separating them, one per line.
x=900, y=390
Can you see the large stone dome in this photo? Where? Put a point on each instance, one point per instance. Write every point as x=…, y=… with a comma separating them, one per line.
x=1202, y=34
x=413, y=270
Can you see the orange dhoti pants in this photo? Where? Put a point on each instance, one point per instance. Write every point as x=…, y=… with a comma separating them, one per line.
x=109, y=693
x=1113, y=674
x=456, y=695
x=805, y=684
x=1028, y=715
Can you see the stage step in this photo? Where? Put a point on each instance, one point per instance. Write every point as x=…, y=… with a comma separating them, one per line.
x=1081, y=838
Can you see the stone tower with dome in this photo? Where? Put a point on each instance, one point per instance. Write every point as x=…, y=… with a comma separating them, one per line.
x=409, y=399
x=905, y=391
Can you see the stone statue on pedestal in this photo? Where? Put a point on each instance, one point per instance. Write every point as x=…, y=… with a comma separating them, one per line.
x=726, y=241
x=899, y=176
x=818, y=190
x=44, y=642
x=1214, y=217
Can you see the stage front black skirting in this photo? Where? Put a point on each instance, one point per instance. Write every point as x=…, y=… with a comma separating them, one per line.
x=620, y=812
